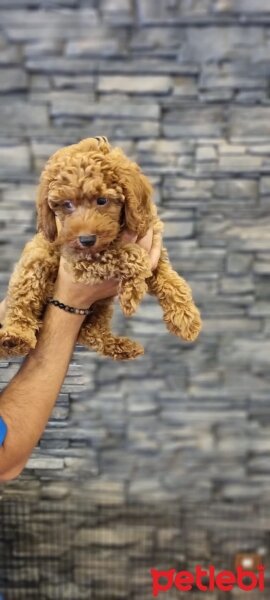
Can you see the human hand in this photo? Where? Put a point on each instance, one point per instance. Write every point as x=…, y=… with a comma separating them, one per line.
x=72, y=293
x=151, y=245
x=82, y=295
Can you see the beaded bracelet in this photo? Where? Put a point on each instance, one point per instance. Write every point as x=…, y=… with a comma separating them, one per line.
x=71, y=309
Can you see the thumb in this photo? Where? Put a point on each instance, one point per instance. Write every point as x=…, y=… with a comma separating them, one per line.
x=128, y=236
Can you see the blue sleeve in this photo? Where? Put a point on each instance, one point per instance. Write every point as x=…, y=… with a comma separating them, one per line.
x=3, y=431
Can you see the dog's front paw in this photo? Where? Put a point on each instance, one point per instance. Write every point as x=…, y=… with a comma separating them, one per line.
x=122, y=348
x=16, y=343
x=130, y=296
x=184, y=322
x=191, y=324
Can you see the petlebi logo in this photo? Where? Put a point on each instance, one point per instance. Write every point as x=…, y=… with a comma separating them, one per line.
x=185, y=581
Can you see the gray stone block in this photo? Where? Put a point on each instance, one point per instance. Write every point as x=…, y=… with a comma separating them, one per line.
x=192, y=190
x=18, y=116
x=49, y=47
x=197, y=122
x=60, y=413
x=178, y=229
x=206, y=153
x=147, y=66
x=246, y=352
x=97, y=46
x=10, y=57
x=251, y=96
x=82, y=465
x=260, y=309
x=117, y=9
x=164, y=11
x=250, y=238
x=237, y=285
x=220, y=44
x=261, y=268
x=138, y=407
x=17, y=194
x=157, y=41
x=14, y=157
x=47, y=24
x=240, y=164
x=148, y=489
x=259, y=464
x=108, y=110
x=236, y=188
x=71, y=590
x=185, y=87
x=105, y=492
x=59, y=65
x=165, y=147
x=53, y=445
x=115, y=129
x=45, y=462
x=238, y=264
x=112, y=537
x=230, y=75
x=234, y=326
x=135, y=85
x=261, y=6
x=39, y=83
x=77, y=82
x=265, y=186
x=249, y=123
x=12, y=80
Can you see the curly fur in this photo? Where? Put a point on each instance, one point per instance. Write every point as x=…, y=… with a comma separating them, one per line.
x=82, y=173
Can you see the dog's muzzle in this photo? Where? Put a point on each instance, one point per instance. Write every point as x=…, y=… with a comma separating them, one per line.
x=87, y=240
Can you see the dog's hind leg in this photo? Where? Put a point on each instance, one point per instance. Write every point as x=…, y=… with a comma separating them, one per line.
x=28, y=290
x=181, y=315
x=96, y=334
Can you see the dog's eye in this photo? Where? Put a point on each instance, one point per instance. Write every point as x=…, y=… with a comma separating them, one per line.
x=68, y=205
x=102, y=201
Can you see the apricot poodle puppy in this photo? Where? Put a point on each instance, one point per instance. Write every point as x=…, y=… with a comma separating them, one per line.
x=88, y=193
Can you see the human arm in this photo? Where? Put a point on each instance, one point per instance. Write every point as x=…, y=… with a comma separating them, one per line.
x=27, y=402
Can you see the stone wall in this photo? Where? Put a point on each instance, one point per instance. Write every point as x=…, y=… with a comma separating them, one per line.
x=184, y=88
x=75, y=550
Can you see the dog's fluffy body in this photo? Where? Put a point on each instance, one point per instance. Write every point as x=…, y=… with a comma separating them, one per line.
x=74, y=181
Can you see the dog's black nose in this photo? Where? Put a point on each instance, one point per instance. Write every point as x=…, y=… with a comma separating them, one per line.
x=87, y=240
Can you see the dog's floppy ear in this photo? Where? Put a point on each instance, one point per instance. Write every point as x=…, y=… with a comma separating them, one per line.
x=138, y=200
x=45, y=216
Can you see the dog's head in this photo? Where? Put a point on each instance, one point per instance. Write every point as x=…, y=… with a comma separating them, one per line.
x=94, y=191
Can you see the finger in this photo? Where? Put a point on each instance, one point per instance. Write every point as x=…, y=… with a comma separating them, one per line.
x=110, y=287
x=65, y=268
x=147, y=240
x=113, y=292
x=128, y=236
x=2, y=309
x=112, y=284
x=155, y=253
x=155, y=256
